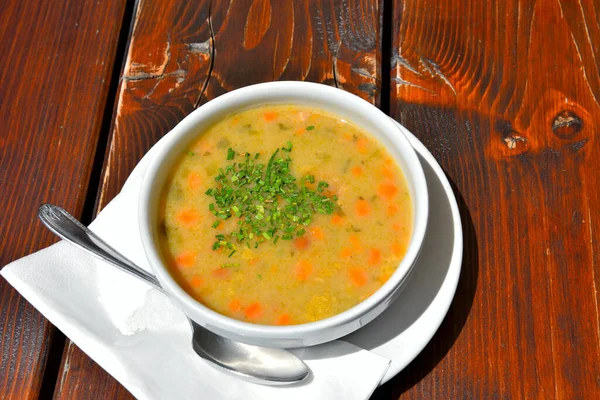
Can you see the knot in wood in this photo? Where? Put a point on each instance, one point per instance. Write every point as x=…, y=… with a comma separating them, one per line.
x=566, y=124
x=516, y=144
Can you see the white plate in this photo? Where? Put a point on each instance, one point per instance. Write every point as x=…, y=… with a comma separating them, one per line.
x=405, y=328
x=402, y=331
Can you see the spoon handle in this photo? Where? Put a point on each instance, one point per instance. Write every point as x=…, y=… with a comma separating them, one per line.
x=252, y=363
x=68, y=228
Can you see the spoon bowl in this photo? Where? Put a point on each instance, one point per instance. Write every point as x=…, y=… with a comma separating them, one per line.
x=263, y=365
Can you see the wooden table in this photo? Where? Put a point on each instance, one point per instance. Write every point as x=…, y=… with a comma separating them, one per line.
x=505, y=94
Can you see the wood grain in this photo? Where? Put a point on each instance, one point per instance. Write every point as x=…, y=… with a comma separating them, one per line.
x=505, y=95
x=182, y=54
x=53, y=88
x=332, y=42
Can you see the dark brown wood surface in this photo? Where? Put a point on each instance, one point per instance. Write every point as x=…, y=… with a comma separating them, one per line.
x=505, y=94
x=57, y=63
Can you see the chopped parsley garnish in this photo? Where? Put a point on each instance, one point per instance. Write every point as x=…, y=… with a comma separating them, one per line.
x=310, y=128
x=268, y=202
x=230, y=154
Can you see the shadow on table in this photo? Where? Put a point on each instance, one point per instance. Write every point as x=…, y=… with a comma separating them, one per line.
x=453, y=323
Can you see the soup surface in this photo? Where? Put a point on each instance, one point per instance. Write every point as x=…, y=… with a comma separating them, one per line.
x=284, y=214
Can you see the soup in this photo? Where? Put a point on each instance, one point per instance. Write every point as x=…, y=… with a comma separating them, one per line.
x=284, y=214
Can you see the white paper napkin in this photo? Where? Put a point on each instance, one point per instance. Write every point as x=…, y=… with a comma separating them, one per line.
x=141, y=339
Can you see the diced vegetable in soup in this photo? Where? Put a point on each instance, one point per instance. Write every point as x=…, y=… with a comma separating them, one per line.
x=284, y=214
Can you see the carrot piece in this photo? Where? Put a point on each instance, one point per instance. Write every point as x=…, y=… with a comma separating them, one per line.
x=301, y=243
x=186, y=258
x=197, y=282
x=347, y=136
x=387, y=172
x=355, y=241
x=397, y=249
x=363, y=208
x=317, y=233
x=361, y=145
x=374, y=256
x=205, y=146
x=194, y=181
x=253, y=261
x=253, y=311
x=397, y=227
x=221, y=273
x=346, y=252
x=270, y=116
x=337, y=219
x=311, y=186
x=187, y=217
x=358, y=276
x=387, y=190
x=283, y=319
x=299, y=131
x=303, y=270
x=392, y=210
x=235, y=305
x=329, y=192
x=357, y=170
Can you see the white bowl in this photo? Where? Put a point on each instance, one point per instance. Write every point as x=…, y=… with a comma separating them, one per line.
x=346, y=106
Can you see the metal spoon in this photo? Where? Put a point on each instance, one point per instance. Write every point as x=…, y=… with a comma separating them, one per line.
x=264, y=365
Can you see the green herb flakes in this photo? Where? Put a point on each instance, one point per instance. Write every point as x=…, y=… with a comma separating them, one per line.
x=230, y=154
x=268, y=202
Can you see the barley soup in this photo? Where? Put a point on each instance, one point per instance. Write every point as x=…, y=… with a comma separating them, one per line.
x=284, y=214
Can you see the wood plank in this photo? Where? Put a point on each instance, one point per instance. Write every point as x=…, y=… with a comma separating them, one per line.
x=505, y=95
x=182, y=55
x=53, y=88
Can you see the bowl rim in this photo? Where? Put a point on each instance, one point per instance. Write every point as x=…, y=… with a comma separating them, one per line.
x=226, y=104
